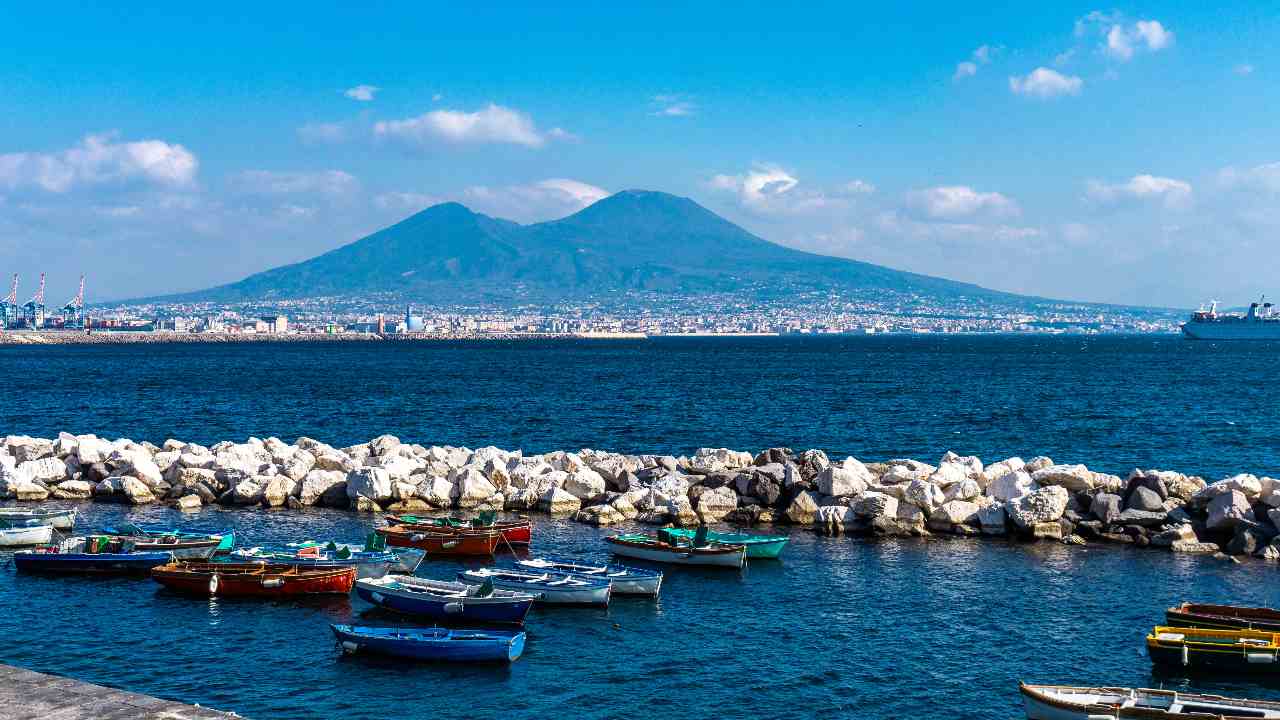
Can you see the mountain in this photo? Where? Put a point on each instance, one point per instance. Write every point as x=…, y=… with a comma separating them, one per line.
x=633, y=240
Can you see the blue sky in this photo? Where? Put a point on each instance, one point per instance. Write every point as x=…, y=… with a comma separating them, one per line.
x=1124, y=154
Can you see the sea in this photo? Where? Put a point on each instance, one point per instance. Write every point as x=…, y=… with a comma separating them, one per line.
x=908, y=628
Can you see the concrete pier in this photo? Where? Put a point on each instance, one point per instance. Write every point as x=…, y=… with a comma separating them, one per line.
x=27, y=695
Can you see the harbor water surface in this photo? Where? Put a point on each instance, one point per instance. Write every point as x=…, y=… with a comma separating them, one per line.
x=838, y=626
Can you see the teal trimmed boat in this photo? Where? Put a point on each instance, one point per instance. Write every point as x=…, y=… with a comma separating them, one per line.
x=758, y=546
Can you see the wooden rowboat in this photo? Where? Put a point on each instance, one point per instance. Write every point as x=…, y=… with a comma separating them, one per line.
x=445, y=601
x=626, y=580
x=645, y=547
x=547, y=588
x=97, y=556
x=182, y=549
x=1061, y=702
x=1225, y=617
x=758, y=546
x=253, y=579
x=473, y=542
x=514, y=532
x=25, y=535
x=439, y=644
x=59, y=519
x=1235, y=651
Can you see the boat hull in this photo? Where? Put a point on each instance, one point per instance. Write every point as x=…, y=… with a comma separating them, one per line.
x=83, y=563
x=759, y=547
x=435, y=644
x=1256, y=330
x=371, y=566
x=1224, y=617
x=1208, y=649
x=679, y=556
x=626, y=580
x=59, y=519
x=248, y=580
x=514, y=532
x=1056, y=702
x=26, y=536
x=434, y=543
x=181, y=550
x=594, y=593
x=509, y=611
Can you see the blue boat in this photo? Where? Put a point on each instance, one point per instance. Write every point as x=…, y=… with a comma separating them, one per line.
x=432, y=643
x=92, y=555
x=549, y=588
x=445, y=601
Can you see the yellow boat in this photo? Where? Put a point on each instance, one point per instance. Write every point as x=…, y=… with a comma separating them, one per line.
x=1234, y=651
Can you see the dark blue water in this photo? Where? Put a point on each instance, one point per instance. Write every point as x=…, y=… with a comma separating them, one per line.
x=1112, y=403
x=839, y=627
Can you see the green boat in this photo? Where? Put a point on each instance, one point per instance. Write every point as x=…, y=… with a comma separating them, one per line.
x=758, y=546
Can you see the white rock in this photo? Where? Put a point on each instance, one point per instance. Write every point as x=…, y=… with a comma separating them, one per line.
x=952, y=473
x=995, y=471
x=1075, y=478
x=1013, y=485
x=802, y=508
x=1228, y=510
x=136, y=491
x=437, y=491
x=966, y=489
x=585, y=484
x=991, y=519
x=955, y=512
x=844, y=480
x=1038, y=463
x=136, y=462
x=1042, y=506
x=924, y=495
x=558, y=502
x=49, y=469
x=249, y=491
x=279, y=489
x=317, y=483
x=91, y=450
x=714, y=504
x=187, y=503
x=473, y=488
x=833, y=519
x=1245, y=483
x=370, y=483
x=73, y=490
x=297, y=465
x=872, y=505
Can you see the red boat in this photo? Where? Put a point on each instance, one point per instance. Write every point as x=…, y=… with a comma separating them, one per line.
x=254, y=579
x=438, y=542
x=514, y=532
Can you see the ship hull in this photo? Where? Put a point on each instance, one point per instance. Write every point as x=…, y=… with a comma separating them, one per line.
x=1232, y=331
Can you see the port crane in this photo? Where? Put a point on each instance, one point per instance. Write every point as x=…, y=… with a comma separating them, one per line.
x=33, y=310
x=73, y=311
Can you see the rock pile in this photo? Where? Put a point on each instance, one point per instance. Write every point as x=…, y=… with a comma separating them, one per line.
x=1035, y=499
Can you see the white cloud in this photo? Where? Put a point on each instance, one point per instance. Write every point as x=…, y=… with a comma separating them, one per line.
x=322, y=133
x=980, y=56
x=673, y=106
x=1121, y=40
x=1243, y=69
x=1153, y=34
x=543, y=200
x=858, y=187
x=952, y=202
x=324, y=182
x=362, y=93
x=1045, y=83
x=100, y=160
x=493, y=124
x=1262, y=178
x=1173, y=194
x=964, y=70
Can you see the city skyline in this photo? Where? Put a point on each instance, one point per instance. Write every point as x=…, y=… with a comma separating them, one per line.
x=1079, y=153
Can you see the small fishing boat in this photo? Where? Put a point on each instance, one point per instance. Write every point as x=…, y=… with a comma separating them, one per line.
x=225, y=540
x=1225, y=617
x=368, y=563
x=626, y=580
x=514, y=532
x=1237, y=651
x=758, y=546
x=59, y=519
x=24, y=535
x=253, y=579
x=472, y=542
x=432, y=643
x=180, y=548
x=96, y=554
x=440, y=600
x=546, y=587
x=645, y=547
x=1061, y=702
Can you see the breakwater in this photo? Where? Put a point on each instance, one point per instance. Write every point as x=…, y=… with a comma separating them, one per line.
x=1036, y=499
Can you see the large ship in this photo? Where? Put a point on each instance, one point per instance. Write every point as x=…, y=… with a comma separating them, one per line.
x=1260, y=323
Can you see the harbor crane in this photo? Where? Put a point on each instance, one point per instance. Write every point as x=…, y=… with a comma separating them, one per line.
x=73, y=311
x=9, y=310
x=33, y=311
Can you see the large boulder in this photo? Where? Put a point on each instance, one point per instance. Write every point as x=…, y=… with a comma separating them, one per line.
x=585, y=484
x=438, y=492
x=953, y=513
x=558, y=502
x=297, y=465
x=1045, y=505
x=872, y=505
x=709, y=460
x=136, y=462
x=319, y=484
x=136, y=491
x=473, y=488
x=73, y=490
x=848, y=478
x=24, y=448
x=1106, y=507
x=369, y=482
x=249, y=491
x=812, y=462
x=834, y=519
x=992, y=519
x=802, y=508
x=1075, y=478
x=279, y=489
x=995, y=471
x=924, y=495
x=1011, y=486
x=714, y=503
x=91, y=449
x=1228, y=510
x=47, y=470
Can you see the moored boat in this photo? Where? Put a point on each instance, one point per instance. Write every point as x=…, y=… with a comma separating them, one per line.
x=645, y=547
x=59, y=519
x=546, y=587
x=440, y=644
x=368, y=563
x=1062, y=702
x=447, y=601
x=1224, y=617
x=253, y=579
x=180, y=548
x=1237, y=651
x=626, y=580
x=472, y=542
x=25, y=535
x=758, y=546
x=225, y=540
x=514, y=532
x=89, y=555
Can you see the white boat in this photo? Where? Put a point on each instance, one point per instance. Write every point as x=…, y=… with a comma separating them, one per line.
x=26, y=535
x=645, y=547
x=546, y=587
x=626, y=580
x=1062, y=702
x=59, y=519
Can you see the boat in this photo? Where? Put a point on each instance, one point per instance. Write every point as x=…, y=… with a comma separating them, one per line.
x=626, y=580
x=440, y=644
x=653, y=549
x=471, y=542
x=181, y=548
x=368, y=563
x=1259, y=323
x=758, y=546
x=95, y=554
x=440, y=600
x=546, y=587
x=24, y=535
x=59, y=519
x=253, y=579
x=1235, y=651
x=514, y=532
x=1224, y=617
x=226, y=540
x=1063, y=702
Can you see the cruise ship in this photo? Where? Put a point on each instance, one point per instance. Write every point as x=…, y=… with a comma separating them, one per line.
x=1260, y=323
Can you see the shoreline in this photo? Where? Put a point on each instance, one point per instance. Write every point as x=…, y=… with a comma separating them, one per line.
x=1033, y=500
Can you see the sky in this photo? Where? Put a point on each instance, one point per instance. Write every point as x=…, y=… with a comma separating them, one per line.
x=1121, y=154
